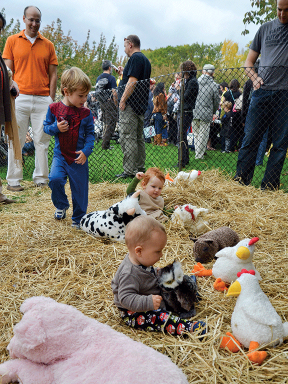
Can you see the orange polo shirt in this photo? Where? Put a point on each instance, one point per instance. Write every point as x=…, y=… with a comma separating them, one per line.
x=31, y=62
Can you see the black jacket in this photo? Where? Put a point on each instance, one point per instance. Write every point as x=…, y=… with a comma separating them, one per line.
x=191, y=88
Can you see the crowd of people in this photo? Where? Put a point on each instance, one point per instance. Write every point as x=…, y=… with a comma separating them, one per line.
x=217, y=115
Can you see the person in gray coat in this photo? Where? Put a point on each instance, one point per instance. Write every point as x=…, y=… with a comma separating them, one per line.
x=207, y=104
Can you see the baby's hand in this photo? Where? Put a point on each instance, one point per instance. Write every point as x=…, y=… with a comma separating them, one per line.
x=139, y=175
x=81, y=159
x=63, y=126
x=156, y=301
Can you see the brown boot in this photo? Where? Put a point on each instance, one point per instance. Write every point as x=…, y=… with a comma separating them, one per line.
x=164, y=143
x=157, y=139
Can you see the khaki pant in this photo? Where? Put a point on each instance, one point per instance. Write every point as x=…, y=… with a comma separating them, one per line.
x=132, y=141
x=201, y=131
x=110, y=117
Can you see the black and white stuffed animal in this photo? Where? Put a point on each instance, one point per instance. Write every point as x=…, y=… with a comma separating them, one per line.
x=178, y=291
x=111, y=224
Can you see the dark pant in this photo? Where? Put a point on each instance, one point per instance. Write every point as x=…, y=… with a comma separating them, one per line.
x=172, y=133
x=110, y=117
x=237, y=132
x=160, y=320
x=267, y=108
x=183, y=146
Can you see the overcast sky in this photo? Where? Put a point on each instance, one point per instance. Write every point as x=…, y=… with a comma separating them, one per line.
x=158, y=23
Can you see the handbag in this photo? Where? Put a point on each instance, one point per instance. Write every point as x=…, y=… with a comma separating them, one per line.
x=237, y=102
x=149, y=132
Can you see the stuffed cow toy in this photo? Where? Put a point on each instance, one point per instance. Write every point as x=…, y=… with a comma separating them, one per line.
x=112, y=223
x=56, y=344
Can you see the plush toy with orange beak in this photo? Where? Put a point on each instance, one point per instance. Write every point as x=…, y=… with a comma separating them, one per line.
x=230, y=261
x=254, y=321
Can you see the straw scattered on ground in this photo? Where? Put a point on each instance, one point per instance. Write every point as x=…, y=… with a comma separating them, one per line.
x=42, y=256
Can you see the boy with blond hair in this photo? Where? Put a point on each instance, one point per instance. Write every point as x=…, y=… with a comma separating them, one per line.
x=135, y=288
x=72, y=126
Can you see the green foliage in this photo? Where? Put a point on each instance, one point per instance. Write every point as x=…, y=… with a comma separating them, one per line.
x=263, y=10
x=88, y=56
x=170, y=58
x=10, y=29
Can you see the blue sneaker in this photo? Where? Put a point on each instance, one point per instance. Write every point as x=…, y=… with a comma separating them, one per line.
x=75, y=225
x=60, y=214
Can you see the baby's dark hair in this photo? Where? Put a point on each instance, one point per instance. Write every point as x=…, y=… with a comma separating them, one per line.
x=151, y=172
x=140, y=229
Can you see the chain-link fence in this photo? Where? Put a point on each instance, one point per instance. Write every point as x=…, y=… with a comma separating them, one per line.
x=197, y=124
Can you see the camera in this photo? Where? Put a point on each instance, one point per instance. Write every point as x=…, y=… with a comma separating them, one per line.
x=13, y=91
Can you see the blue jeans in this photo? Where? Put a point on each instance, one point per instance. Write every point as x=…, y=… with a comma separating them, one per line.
x=78, y=179
x=159, y=125
x=262, y=149
x=267, y=108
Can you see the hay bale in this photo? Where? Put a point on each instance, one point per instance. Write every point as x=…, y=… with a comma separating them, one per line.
x=42, y=256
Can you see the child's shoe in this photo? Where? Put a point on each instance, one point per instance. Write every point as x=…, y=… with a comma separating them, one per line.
x=60, y=214
x=75, y=225
x=199, y=327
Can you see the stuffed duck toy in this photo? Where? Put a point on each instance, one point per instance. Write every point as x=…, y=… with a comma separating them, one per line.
x=230, y=261
x=182, y=177
x=254, y=321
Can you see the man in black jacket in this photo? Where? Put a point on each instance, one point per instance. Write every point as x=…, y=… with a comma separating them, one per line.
x=191, y=89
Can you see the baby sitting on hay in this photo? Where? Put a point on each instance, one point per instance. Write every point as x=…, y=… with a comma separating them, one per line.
x=112, y=222
x=136, y=289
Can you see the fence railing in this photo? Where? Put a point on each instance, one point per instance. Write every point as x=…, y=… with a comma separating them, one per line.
x=177, y=136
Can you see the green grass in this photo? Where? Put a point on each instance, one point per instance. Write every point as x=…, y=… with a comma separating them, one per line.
x=104, y=165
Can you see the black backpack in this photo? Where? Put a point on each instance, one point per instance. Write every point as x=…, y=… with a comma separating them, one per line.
x=102, y=94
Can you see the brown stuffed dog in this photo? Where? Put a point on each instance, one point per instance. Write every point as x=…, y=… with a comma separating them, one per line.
x=207, y=245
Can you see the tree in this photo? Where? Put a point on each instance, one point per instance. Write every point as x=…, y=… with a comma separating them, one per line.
x=263, y=10
x=168, y=59
x=231, y=58
x=10, y=29
x=86, y=57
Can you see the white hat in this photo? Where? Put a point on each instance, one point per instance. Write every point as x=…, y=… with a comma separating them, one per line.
x=209, y=68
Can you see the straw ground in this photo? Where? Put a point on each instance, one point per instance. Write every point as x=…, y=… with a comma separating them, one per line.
x=41, y=256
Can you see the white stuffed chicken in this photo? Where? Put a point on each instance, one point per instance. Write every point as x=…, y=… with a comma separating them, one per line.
x=230, y=261
x=187, y=176
x=182, y=177
x=191, y=217
x=254, y=321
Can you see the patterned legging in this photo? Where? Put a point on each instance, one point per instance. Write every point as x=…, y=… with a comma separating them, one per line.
x=159, y=320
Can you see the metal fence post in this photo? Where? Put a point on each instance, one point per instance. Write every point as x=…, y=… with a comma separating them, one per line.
x=180, y=157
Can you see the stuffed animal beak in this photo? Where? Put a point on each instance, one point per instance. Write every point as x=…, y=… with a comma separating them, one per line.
x=243, y=253
x=234, y=289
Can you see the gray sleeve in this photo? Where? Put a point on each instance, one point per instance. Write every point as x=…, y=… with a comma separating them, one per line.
x=129, y=297
x=256, y=42
x=216, y=98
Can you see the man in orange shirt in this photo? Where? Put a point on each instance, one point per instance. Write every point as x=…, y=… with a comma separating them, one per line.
x=33, y=61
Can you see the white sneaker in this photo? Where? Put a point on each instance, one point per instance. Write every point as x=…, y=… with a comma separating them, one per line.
x=60, y=214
